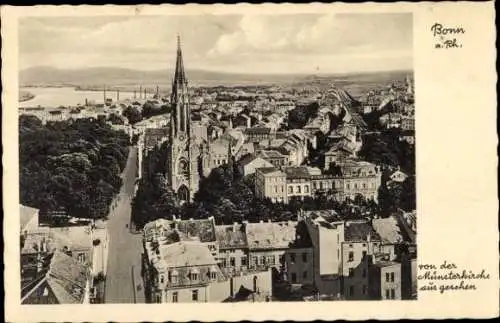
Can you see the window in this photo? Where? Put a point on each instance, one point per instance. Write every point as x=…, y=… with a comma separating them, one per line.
x=351, y=256
x=292, y=258
x=387, y=277
x=348, y=186
x=393, y=293
x=351, y=290
x=272, y=260
x=364, y=254
x=294, y=278
x=314, y=185
x=338, y=253
x=162, y=279
x=275, y=189
x=263, y=260
x=290, y=189
x=254, y=260
x=81, y=257
x=304, y=257
x=194, y=276
x=364, y=185
x=304, y=275
x=306, y=189
x=213, y=275
x=364, y=289
x=392, y=277
x=298, y=189
x=387, y=294
x=321, y=185
x=282, y=189
x=224, y=262
x=355, y=185
x=158, y=299
x=243, y=261
x=194, y=295
x=175, y=297
x=174, y=277
x=233, y=261
x=351, y=272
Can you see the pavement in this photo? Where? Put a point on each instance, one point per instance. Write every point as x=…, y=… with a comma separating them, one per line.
x=125, y=248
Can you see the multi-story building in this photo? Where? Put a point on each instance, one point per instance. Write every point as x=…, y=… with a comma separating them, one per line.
x=271, y=183
x=181, y=264
x=360, y=244
x=268, y=242
x=385, y=280
x=298, y=182
x=326, y=231
x=233, y=248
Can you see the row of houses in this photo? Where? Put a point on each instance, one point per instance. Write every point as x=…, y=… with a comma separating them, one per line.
x=198, y=261
x=59, y=264
x=352, y=177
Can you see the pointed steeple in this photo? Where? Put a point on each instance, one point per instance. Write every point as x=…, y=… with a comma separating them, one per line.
x=179, y=76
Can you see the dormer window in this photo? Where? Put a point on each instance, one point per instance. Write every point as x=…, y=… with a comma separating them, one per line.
x=173, y=276
x=194, y=274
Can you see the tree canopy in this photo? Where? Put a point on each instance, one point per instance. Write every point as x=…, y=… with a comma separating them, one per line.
x=70, y=165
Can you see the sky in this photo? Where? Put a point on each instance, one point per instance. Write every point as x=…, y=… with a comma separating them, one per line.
x=277, y=44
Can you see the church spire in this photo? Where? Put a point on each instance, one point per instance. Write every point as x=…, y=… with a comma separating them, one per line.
x=179, y=76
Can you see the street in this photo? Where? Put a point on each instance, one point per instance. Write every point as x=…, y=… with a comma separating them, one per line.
x=124, y=260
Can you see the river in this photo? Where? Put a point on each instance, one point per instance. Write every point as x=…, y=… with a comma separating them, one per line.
x=66, y=96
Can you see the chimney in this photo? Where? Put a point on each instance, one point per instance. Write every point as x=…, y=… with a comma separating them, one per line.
x=117, y=95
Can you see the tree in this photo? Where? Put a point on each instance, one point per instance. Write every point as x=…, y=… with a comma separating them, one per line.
x=132, y=114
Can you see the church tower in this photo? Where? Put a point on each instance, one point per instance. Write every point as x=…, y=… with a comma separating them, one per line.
x=182, y=159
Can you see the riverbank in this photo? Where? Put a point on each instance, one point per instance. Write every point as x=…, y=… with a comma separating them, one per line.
x=25, y=96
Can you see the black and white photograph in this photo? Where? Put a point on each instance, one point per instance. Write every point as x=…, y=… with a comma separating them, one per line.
x=217, y=158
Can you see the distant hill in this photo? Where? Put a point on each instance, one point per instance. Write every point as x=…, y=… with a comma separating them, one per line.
x=49, y=76
x=122, y=77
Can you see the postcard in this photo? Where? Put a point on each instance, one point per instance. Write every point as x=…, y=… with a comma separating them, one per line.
x=256, y=162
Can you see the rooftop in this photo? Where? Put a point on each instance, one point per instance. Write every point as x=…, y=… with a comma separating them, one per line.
x=185, y=254
x=360, y=231
x=270, y=171
x=270, y=235
x=231, y=236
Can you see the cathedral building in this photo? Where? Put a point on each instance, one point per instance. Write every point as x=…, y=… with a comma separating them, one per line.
x=184, y=152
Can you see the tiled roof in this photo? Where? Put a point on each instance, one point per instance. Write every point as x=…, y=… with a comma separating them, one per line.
x=67, y=278
x=231, y=236
x=270, y=235
x=76, y=237
x=359, y=231
x=27, y=213
x=247, y=159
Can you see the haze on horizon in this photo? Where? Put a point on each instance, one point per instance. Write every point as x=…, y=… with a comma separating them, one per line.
x=247, y=44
